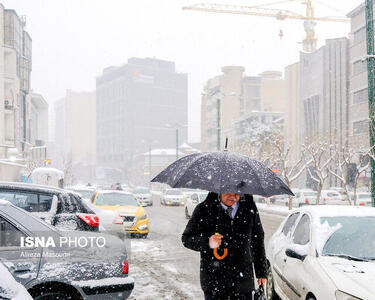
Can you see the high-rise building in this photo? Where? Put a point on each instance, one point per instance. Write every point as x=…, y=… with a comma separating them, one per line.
x=75, y=134
x=324, y=79
x=141, y=103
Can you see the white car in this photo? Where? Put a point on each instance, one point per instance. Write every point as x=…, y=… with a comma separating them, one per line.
x=193, y=201
x=172, y=197
x=10, y=288
x=323, y=253
x=304, y=197
x=332, y=197
x=143, y=195
x=363, y=198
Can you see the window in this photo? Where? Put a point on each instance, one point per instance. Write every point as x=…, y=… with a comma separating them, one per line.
x=359, y=67
x=359, y=35
x=289, y=223
x=302, y=233
x=360, y=96
x=28, y=201
x=10, y=236
x=360, y=127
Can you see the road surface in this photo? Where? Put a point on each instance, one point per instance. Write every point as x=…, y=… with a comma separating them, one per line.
x=161, y=267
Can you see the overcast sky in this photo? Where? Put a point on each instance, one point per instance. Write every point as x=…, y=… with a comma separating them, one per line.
x=73, y=40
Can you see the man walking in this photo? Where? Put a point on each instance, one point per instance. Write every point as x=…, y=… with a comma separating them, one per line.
x=232, y=223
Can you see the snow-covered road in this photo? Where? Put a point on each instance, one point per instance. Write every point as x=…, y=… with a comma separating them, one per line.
x=161, y=267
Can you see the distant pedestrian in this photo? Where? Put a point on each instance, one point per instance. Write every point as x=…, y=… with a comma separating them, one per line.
x=237, y=221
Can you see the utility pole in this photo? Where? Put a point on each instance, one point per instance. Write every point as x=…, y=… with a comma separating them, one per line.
x=149, y=166
x=371, y=85
x=177, y=143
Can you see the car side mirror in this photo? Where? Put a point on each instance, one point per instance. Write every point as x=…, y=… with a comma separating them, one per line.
x=293, y=254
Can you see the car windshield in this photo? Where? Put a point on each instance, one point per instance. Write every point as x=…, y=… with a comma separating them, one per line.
x=350, y=233
x=141, y=191
x=202, y=197
x=116, y=199
x=173, y=192
x=310, y=193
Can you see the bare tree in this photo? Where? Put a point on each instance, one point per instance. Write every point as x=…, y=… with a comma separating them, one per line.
x=320, y=152
x=342, y=157
x=290, y=170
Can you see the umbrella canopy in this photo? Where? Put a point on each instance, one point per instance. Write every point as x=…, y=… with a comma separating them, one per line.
x=223, y=172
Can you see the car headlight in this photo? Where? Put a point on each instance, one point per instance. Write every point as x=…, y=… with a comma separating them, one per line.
x=143, y=217
x=344, y=296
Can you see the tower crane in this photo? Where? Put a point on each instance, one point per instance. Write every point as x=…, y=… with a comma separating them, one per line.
x=309, y=18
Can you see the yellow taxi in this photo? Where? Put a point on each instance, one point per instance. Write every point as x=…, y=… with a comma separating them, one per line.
x=131, y=214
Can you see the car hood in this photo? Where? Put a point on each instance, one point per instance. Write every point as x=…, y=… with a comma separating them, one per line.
x=125, y=210
x=142, y=195
x=353, y=277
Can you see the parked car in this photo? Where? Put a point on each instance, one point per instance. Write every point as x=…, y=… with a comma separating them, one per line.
x=172, y=197
x=58, y=207
x=133, y=215
x=192, y=201
x=143, y=195
x=332, y=197
x=10, y=289
x=363, y=198
x=323, y=252
x=304, y=197
x=51, y=271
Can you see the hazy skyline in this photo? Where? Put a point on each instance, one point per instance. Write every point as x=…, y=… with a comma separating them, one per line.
x=74, y=40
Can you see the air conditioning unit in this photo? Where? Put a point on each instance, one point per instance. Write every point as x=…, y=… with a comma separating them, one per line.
x=8, y=104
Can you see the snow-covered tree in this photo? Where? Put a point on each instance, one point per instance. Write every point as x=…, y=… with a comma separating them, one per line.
x=320, y=153
x=291, y=169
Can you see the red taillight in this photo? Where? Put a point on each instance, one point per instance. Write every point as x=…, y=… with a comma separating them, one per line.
x=118, y=220
x=89, y=219
x=125, y=267
x=306, y=200
x=325, y=199
x=362, y=203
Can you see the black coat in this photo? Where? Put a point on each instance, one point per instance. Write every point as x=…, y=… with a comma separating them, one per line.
x=243, y=236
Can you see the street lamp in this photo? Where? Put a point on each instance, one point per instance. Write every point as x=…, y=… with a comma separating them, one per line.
x=218, y=112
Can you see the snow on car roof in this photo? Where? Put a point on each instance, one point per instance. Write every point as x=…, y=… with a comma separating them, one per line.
x=29, y=186
x=114, y=191
x=319, y=211
x=4, y=202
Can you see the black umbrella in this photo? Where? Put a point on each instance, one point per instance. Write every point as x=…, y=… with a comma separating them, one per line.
x=223, y=172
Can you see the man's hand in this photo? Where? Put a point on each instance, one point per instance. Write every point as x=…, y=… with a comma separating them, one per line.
x=215, y=241
x=262, y=281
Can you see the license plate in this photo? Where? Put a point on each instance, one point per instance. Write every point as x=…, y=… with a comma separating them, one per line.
x=128, y=224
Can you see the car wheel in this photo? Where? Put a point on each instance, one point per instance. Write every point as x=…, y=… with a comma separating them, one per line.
x=144, y=236
x=53, y=296
x=187, y=213
x=270, y=288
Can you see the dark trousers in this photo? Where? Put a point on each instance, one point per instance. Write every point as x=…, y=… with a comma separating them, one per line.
x=243, y=290
x=227, y=296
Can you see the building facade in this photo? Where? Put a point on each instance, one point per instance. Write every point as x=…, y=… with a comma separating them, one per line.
x=231, y=95
x=15, y=69
x=358, y=93
x=324, y=92
x=140, y=103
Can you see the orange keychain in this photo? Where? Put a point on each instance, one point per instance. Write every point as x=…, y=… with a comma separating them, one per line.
x=217, y=256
